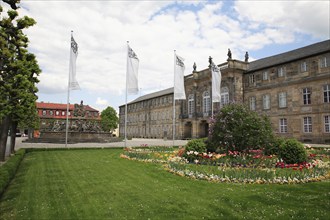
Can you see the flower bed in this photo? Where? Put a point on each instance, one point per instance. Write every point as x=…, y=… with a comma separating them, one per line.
x=251, y=167
x=149, y=155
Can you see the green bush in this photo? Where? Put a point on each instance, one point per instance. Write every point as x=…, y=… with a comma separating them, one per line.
x=236, y=128
x=292, y=151
x=273, y=147
x=8, y=170
x=196, y=145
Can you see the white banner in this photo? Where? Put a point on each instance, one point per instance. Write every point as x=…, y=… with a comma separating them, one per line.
x=132, y=72
x=216, y=83
x=73, y=83
x=179, y=92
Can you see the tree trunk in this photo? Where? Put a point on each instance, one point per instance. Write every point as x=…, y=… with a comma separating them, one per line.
x=4, y=128
x=13, y=129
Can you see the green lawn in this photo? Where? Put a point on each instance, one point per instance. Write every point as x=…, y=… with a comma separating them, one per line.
x=97, y=184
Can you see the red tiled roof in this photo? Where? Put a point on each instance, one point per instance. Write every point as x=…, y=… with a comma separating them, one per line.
x=53, y=106
x=88, y=108
x=58, y=106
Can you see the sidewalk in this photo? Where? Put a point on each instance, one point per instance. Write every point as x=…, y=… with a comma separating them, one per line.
x=135, y=142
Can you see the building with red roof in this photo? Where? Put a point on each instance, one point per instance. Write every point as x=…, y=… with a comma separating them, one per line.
x=56, y=113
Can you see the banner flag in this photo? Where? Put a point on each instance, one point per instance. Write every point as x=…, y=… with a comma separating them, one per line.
x=132, y=72
x=73, y=83
x=179, y=92
x=216, y=83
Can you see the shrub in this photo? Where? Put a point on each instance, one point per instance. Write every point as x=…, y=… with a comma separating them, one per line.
x=236, y=128
x=273, y=147
x=196, y=145
x=8, y=170
x=292, y=151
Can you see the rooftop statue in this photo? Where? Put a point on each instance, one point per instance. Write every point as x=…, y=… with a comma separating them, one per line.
x=229, y=54
x=246, y=57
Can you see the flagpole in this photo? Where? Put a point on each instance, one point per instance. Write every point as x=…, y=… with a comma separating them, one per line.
x=126, y=98
x=211, y=91
x=67, y=103
x=174, y=101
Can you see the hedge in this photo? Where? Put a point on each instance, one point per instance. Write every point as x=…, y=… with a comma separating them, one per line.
x=8, y=170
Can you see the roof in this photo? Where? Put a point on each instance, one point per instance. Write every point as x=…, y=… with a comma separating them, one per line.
x=152, y=95
x=292, y=55
x=59, y=106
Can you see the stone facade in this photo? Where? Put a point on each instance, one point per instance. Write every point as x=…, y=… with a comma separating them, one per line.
x=292, y=88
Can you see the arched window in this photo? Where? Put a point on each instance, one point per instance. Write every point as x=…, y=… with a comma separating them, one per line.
x=191, y=104
x=206, y=102
x=224, y=96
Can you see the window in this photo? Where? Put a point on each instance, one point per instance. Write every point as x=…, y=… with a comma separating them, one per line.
x=307, y=124
x=251, y=79
x=57, y=113
x=326, y=93
x=280, y=71
x=206, y=102
x=253, y=103
x=224, y=96
x=265, y=75
x=266, y=101
x=327, y=123
x=307, y=96
x=63, y=113
x=191, y=104
x=51, y=112
x=303, y=67
x=282, y=99
x=283, y=125
x=323, y=62
x=44, y=112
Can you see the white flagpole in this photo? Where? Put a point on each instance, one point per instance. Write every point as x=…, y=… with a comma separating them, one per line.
x=126, y=98
x=174, y=100
x=67, y=118
x=67, y=103
x=211, y=92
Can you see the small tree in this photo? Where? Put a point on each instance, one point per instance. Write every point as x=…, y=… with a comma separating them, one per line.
x=109, y=119
x=237, y=128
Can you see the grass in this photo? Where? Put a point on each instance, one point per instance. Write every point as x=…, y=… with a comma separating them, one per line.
x=97, y=184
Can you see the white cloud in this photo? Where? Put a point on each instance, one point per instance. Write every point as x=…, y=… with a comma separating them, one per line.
x=155, y=28
x=100, y=101
x=307, y=17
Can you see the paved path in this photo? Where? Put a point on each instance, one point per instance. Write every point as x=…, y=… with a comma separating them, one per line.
x=135, y=142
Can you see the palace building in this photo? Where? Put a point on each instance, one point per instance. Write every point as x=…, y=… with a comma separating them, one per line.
x=292, y=88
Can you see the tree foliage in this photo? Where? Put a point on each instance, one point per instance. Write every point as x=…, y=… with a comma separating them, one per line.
x=237, y=128
x=19, y=71
x=109, y=119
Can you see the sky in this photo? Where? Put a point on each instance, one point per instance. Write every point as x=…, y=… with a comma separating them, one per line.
x=154, y=29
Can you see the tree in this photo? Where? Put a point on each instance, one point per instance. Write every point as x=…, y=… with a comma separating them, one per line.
x=19, y=71
x=109, y=119
x=237, y=128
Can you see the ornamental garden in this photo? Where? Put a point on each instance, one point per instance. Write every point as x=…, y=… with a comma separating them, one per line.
x=241, y=148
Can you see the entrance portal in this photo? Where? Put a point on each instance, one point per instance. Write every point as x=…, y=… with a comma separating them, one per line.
x=203, y=129
x=187, y=130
